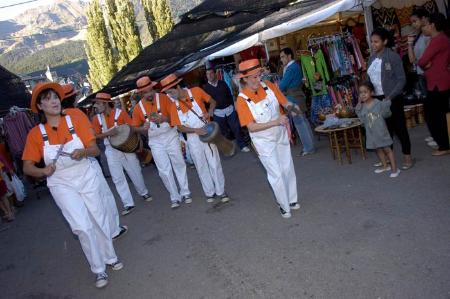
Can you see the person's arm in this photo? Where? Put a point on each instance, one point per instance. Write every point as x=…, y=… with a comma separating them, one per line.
x=431, y=51
x=411, y=54
x=111, y=132
x=386, y=109
x=399, y=75
x=30, y=169
x=91, y=150
x=187, y=130
x=256, y=127
x=285, y=82
x=212, y=107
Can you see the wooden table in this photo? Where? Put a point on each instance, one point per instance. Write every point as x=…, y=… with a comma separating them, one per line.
x=345, y=138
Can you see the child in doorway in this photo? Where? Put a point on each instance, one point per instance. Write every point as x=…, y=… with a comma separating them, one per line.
x=372, y=113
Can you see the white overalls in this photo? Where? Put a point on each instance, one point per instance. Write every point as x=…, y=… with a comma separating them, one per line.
x=117, y=162
x=273, y=148
x=75, y=187
x=166, y=150
x=205, y=155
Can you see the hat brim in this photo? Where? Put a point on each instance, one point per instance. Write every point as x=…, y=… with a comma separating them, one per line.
x=251, y=73
x=101, y=100
x=175, y=83
x=69, y=95
x=48, y=85
x=145, y=88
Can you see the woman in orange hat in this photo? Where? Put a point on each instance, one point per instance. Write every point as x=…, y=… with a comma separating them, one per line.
x=152, y=116
x=190, y=115
x=258, y=107
x=67, y=104
x=105, y=124
x=65, y=143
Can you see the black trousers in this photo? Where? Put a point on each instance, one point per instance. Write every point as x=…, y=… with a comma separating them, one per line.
x=436, y=108
x=396, y=125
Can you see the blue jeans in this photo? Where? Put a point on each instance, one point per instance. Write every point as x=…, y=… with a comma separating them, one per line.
x=304, y=131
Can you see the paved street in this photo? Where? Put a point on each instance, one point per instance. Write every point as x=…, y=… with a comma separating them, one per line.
x=357, y=235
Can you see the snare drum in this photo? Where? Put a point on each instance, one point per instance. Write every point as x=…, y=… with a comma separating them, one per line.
x=125, y=140
x=212, y=129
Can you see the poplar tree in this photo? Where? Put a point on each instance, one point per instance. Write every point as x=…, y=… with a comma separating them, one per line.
x=102, y=66
x=124, y=32
x=159, y=17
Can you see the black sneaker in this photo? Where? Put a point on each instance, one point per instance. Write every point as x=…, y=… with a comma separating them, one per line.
x=294, y=206
x=285, y=214
x=127, y=210
x=123, y=231
x=147, y=197
x=224, y=198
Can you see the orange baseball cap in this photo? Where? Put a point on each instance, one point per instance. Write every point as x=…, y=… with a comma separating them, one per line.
x=40, y=87
x=103, y=96
x=248, y=68
x=169, y=82
x=145, y=83
x=69, y=90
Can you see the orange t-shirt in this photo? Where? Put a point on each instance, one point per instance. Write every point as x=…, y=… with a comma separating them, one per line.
x=245, y=115
x=200, y=96
x=34, y=147
x=150, y=107
x=123, y=119
x=75, y=112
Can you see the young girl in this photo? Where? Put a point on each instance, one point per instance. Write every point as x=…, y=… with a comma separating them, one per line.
x=372, y=113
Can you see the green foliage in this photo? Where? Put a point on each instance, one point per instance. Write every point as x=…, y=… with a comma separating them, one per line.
x=102, y=65
x=125, y=34
x=159, y=17
x=59, y=55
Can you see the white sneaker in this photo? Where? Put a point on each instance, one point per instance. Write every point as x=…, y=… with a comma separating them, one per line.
x=101, y=280
x=432, y=144
x=285, y=214
x=175, y=204
x=187, y=199
x=429, y=139
x=379, y=164
x=395, y=174
x=116, y=266
x=245, y=149
x=210, y=199
x=294, y=206
x=381, y=170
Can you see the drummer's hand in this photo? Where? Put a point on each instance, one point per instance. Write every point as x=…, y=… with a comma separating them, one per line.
x=48, y=170
x=78, y=154
x=283, y=120
x=206, y=116
x=113, y=131
x=201, y=131
x=146, y=125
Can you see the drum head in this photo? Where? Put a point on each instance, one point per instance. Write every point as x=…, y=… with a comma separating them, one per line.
x=212, y=130
x=122, y=135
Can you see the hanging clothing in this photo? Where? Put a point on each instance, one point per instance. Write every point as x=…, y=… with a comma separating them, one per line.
x=165, y=145
x=272, y=144
x=17, y=125
x=189, y=112
x=118, y=161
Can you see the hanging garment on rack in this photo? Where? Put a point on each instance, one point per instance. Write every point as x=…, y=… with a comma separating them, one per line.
x=311, y=65
x=17, y=125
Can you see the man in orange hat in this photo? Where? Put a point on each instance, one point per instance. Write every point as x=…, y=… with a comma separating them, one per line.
x=105, y=124
x=258, y=106
x=117, y=230
x=65, y=142
x=189, y=113
x=151, y=116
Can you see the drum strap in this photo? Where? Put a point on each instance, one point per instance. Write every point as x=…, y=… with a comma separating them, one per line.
x=116, y=117
x=69, y=124
x=191, y=98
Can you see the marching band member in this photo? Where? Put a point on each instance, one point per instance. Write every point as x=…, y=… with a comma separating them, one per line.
x=117, y=230
x=188, y=112
x=258, y=106
x=65, y=142
x=153, y=112
x=105, y=123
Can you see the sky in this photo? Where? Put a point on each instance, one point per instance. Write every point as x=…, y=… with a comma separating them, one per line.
x=11, y=12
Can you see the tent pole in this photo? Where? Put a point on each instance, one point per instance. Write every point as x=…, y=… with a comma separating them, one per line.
x=367, y=20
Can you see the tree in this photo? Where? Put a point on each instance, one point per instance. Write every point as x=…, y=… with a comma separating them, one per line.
x=124, y=32
x=159, y=17
x=102, y=66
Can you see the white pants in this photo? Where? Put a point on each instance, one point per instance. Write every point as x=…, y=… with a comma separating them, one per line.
x=166, y=151
x=281, y=175
x=87, y=219
x=117, y=162
x=108, y=200
x=207, y=162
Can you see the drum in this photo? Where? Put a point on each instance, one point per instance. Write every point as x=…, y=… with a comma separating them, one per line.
x=420, y=114
x=125, y=140
x=213, y=135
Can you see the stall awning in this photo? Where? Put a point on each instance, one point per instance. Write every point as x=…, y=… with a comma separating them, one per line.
x=223, y=27
x=12, y=91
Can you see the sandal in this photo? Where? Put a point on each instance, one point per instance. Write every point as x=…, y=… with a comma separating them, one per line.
x=407, y=166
